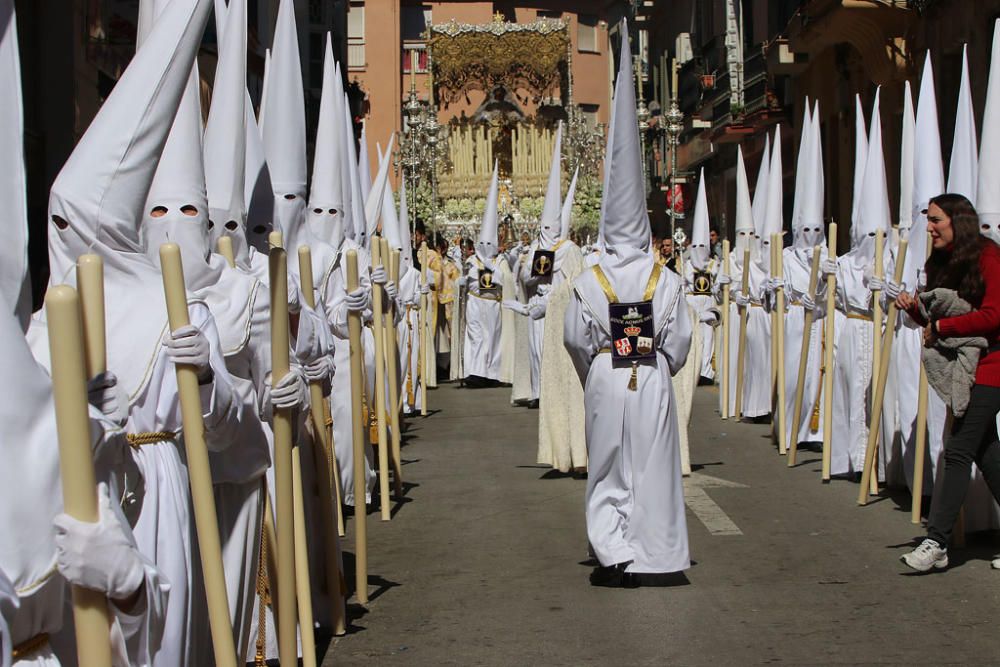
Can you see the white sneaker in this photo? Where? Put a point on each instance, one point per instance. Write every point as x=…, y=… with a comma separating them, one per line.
x=995, y=564
x=926, y=556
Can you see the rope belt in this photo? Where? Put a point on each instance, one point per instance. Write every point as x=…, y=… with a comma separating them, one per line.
x=859, y=316
x=29, y=646
x=756, y=305
x=150, y=438
x=486, y=298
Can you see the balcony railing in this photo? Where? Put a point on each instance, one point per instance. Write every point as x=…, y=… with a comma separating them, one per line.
x=356, y=55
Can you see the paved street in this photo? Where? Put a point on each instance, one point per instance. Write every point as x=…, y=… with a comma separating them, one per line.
x=487, y=564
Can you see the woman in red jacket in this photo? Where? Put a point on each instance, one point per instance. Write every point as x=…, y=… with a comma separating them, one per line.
x=958, y=249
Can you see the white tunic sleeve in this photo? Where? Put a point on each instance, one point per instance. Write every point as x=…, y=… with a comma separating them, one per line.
x=578, y=336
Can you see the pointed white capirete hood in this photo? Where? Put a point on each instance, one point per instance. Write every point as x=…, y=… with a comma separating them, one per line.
x=487, y=246
x=390, y=218
x=700, y=251
x=906, y=148
x=551, y=220
x=624, y=220
x=873, y=210
x=566, y=217
x=759, y=205
x=860, y=155
x=928, y=173
x=963, y=169
x=226, y=134
x=988, y=190
x=14, y=278
x=364, y=165
x=810, y=230
x=325, y=215
x=100, y=193
x=261, y=113
x=744, y=212
x=360, y=226
x=405, y=245
x=774, y=215
x=801, y=176
x=257, y=190
x=373, y=205
x=283, y=130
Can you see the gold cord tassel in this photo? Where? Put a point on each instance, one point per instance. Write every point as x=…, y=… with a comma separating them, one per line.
x=260, y=659
x=633, y=381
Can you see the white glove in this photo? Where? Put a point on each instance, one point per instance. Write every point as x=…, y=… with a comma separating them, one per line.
x=425, y=288
x=391, y=290
x=516, y=306
x=320, y=370
x=828, y=267
x=290, y=392
x=99, y=556
x=102, y=393
x=536, y=310
x=741, y=300
x=875, y=283
x=544, y=289
x=723, y=279
x=188, y=345
x=892, y=289
x=808, y=303
x=774, y=284
x=379, y=275
x=357, y=300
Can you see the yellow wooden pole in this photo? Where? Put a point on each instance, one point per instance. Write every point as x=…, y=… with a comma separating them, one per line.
x=378, y=332
x=725, y=334
x=780, y=346
x=422, y=337
x=199, y=473
x=90, y=283
x=742, y=347
x=921, y=437
x=877, y=326
x=800, y=386
x=225, y=248
x=392, y=355
x=831, y=304
x=284, y=477
x=91, y=618
x=357, y=396
x=324, y=463
x=871, y=453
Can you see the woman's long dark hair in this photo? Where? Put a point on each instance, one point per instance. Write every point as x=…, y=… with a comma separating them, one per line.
x=957, y=267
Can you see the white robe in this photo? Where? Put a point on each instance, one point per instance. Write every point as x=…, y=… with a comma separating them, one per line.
x=635, y=495
x=798, y=266
x=332, y=288
x=702, y=303
x=562, y=436
x=483, y=324
x=757, y=354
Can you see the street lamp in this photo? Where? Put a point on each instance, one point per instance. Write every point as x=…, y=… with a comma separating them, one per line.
x=675, y=125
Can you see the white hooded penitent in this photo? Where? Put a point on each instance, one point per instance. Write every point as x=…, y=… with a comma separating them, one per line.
x=963, y=169
x=566, y=217
x=699, y=228
x=551, y=221
x=487, y=246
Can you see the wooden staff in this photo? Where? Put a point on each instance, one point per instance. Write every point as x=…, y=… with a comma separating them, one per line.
x=779, y=263
x=800, y=386
x=79, y=487
x=871, y=453
x=392, y=357
x=199, y=473
x=877, y=324
x=284, y=477
x=742, y=348
x=831, y=304
x=378, y=333
x=90, y=283
x=303, y=588
x=921, y=436
x=774, y=346
x=422, y=335
x=225, y=248
x=324, y=463
x=725, y=334
x=358, y=433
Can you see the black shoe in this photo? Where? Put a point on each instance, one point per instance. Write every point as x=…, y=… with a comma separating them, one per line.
x=533, y=404
x=614, y=576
